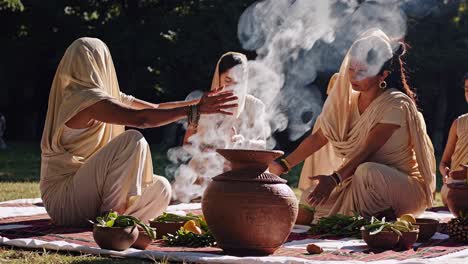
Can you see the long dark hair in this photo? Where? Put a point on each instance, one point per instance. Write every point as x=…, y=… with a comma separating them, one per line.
x=398, y=77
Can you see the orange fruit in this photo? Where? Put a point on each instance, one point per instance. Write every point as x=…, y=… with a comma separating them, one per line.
x=192, y=226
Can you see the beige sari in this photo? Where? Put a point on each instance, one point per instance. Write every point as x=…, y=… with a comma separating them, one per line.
x=245, y=129
x=460, y=154
x=101, y=167
x=399, y=177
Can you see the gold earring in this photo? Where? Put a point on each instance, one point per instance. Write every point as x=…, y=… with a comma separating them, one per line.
x=383, y=84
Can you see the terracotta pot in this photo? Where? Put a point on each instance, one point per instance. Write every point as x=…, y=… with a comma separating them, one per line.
x=304, y=216
x=383, y=240
x=163, y=228
x=427, y=228
x=407, y=239
x=248, y=210
x=143, y=240
x=457, y=198
x=115, y=238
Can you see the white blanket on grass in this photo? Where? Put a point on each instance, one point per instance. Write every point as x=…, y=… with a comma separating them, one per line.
x=328, y=245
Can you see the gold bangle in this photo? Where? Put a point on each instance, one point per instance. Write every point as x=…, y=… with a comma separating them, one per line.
x=287, y=164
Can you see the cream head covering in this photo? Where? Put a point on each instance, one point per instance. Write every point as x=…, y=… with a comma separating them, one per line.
x=335, y=122
x=85, y=76
x=240, y=74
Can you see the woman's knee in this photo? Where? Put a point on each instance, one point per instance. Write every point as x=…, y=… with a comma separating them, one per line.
x=367, y=172
x=164, y=186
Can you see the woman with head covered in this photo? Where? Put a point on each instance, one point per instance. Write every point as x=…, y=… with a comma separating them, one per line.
x=90, y=164
x=246, y=129
x=382, y=161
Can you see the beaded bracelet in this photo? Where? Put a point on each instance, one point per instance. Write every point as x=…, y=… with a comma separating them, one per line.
x=193, y=116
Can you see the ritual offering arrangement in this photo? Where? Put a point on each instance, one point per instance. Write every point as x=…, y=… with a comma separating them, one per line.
x=339, y=226
x=119, y=232
x=168, y=223
x=305, y=215
x=249, y=210
x=383, y=235
x=193, y=233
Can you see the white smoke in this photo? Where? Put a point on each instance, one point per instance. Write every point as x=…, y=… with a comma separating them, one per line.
x=295, y=40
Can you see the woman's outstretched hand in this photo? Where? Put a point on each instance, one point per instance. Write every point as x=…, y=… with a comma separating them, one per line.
x=216, y=102
x=276, y=168
x=322, y=191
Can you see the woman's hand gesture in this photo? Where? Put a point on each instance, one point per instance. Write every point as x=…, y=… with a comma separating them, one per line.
x=215, y=102
x=322, y=191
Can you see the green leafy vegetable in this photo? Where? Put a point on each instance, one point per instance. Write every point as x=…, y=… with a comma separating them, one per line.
x=339, y=225
x=113, y=219
x=173, y=218
x=185, y=238
x=376, y=226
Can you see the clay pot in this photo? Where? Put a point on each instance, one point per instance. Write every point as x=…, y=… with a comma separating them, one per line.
x=115, y=238
x=143, y=240
x=457, y=198
x=383, y=240
x=304, y=216
x=407, y=239
x=427, y=228
x=163, y=228
x=248, y=210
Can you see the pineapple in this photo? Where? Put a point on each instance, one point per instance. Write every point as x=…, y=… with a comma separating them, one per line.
x=458, y=228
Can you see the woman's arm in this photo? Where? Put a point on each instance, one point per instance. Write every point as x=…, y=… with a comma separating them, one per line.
x=308, y=146
x=377, y=137
x=140, y=104
x=114, y=112
x=445, y=163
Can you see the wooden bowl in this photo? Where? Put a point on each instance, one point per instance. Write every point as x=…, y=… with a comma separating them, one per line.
x=383, y=240
x=427, y=228
x=304, y=216
x=115, y=238
x=143, y=240
x=164, y=228
x=407, y=239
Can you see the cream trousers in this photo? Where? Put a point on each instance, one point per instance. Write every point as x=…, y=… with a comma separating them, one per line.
x=114, y=178
x=373, y=188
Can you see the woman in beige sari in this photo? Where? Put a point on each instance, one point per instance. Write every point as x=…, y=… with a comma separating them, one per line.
x=453, y=166
x=90, y=164
x=382, y=161
x=245, y=129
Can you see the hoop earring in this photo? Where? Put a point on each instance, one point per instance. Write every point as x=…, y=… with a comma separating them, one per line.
x=383, y=85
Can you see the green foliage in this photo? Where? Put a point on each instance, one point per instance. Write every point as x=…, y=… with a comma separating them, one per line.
x=185, y=238
x=376, y=226
x=13, y=5
x=174, y=218
x=339, y=225
x=113, y=219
